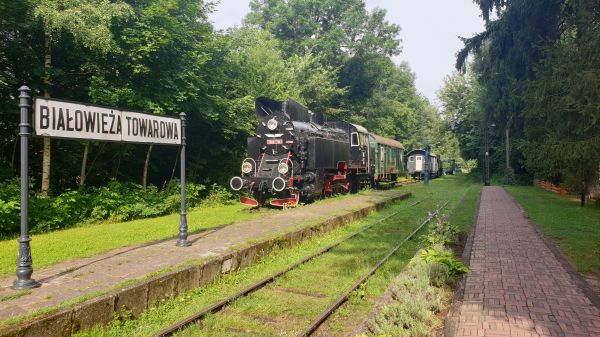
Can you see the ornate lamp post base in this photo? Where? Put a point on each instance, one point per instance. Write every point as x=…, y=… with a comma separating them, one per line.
x=25, y=284
x=183, y=243
x=24, y=269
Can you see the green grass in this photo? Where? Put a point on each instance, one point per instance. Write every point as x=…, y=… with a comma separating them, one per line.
x=89, y=240
x=92, y=239
x=463, y=215
x=16, y=295
x=275, y=311
x=575, y=229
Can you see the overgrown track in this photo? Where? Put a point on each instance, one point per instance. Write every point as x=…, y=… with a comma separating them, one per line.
x=269, y=279
x=327, y=312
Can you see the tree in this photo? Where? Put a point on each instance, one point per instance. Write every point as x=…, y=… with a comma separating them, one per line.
x=333, y=29
x=341, y=34
x=461, y=113
x=562, y=121
x=88, y=21
x=159, y=64
x=537, y=64
x=317, y=83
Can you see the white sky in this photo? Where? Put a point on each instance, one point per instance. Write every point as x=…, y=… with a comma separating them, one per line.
x=430, y=30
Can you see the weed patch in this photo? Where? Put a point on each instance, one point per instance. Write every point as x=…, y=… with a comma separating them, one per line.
x=423, y=290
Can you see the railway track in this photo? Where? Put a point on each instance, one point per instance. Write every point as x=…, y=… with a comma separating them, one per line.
x=314, y=325
x=198, y=316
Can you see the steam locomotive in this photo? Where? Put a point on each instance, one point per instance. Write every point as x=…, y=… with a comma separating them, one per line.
x=298, y=155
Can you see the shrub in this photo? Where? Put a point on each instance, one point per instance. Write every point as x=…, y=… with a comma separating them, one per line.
x=439, y=274
x=445, y=257
x=420, y=292
x=442, y=233
x=116, y=201
x=416, y=303
x=218, y=195
x=9, y=206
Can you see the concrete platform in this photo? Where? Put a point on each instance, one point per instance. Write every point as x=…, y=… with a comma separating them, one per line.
x=134, y=278
x=519, y=283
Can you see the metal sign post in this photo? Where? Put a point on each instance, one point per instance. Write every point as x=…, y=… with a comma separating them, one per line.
x=73, y=120
x=183, y=227
x=24, y=269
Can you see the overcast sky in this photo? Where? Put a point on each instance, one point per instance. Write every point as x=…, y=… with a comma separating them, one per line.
x=430, y=30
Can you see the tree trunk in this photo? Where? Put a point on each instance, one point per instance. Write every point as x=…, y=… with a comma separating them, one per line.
x=47, y=145
x=584, y=192
x=83, y=174
x=145, y=174
x=14, y=153
x=175, y=165
x=116, y=173
x=46, y=167
x=99, y=152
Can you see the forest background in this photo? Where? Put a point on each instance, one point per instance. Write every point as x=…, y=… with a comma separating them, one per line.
x=534, y=70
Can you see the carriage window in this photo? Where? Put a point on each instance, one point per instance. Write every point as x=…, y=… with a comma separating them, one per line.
x=411, y=158
x=419, y=158
x=354, y=139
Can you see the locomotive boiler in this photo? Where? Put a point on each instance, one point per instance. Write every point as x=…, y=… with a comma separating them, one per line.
x=299, y=155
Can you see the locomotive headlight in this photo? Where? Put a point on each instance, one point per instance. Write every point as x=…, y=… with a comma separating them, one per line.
x=247, y=167
x=283, y=168
x=272, y=124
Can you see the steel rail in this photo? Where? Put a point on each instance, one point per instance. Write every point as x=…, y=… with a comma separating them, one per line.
x=260, y=284
x=325, y=314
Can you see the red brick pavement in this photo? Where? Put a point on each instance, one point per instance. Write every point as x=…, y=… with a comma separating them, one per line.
x=517, y=286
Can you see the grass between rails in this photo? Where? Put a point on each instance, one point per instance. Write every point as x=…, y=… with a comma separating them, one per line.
x=575, y=229
x=275, y=312
x=461, y=210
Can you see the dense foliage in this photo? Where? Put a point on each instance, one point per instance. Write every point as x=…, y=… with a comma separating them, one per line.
x=114, y=201
x=164, y=57
x=536, y=71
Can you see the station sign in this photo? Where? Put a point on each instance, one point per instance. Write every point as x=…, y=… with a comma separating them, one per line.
x=64, y=119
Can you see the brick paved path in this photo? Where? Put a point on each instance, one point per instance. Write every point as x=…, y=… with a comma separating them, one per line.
x=516, y=286
x=72, y=279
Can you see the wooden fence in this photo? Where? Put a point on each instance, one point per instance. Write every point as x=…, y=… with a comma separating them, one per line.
x=550, y=187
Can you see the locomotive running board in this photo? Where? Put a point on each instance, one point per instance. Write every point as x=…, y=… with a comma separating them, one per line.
x=287, y=202
x=248, y=201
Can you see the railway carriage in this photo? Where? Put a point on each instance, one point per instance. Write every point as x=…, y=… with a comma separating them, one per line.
x=416, y=164
x=389, y=159
x=299, y=155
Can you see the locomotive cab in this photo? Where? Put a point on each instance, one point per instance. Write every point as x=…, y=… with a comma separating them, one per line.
x=359, y=147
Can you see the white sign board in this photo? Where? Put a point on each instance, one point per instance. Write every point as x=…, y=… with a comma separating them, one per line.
x=62, y=119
